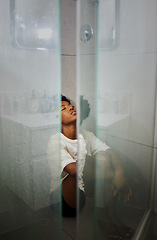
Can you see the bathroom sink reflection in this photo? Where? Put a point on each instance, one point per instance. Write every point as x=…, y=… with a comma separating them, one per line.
x=50, y=119
x=35, y=120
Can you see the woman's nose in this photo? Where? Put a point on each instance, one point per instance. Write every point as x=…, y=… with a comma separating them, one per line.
x=71, y=108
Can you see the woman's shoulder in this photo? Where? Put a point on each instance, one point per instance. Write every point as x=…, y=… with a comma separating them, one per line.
x=55, y=137
x=87, y=134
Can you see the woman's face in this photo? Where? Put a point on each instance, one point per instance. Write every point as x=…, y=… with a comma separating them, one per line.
x=68, y=113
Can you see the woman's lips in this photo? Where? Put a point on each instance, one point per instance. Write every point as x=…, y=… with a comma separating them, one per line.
x=73, y=113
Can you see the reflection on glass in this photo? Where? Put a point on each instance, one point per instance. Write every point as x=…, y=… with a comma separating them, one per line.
x=118, y=117
x=34, y=24
x=108, y=15
x=28, y=118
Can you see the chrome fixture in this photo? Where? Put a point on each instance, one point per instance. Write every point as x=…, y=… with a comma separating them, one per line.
x=86, y=33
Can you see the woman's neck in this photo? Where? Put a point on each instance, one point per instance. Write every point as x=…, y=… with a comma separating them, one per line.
x=70, y=131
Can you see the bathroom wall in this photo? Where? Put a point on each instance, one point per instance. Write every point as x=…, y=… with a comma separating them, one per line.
x=27, y=76
x=26, y=123
x=127, y=74
x=87, y=61
x=68, y=51
x=86, y=53
x=129, y=71
x=24, y=70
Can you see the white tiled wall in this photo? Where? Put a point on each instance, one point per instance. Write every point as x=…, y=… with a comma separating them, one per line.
x=24, y=69
x=133, y=74
x=137, y=27
x=87, y=87
x=87, y=51
x=68, y=26
x=28, y=71
x=68, y=49
x=69, y=76
x=130, y=70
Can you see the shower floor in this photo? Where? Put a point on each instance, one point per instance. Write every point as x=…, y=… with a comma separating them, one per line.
x=152, y=231
x=18, y=221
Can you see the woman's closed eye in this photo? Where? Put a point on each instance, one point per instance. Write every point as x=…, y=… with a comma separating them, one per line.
x=69, y=106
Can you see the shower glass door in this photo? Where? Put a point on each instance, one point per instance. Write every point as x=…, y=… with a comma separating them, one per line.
x=117, y=91
x=86, y=96
x=126, y=80
x=29, y=98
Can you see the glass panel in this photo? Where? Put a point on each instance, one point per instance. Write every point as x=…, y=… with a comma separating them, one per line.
x=28, y=118
x=86, y=71
x=109, y=26
x=116, y=93
x=124, y=98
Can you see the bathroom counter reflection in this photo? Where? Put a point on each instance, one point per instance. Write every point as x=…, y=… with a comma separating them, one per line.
x=37, y=120
x=24, y=166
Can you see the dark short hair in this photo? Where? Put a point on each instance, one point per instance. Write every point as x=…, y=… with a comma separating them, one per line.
x=84, y=106
x=64, y=98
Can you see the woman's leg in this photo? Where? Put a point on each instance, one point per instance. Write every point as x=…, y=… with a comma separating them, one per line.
x=70, y=194
x=69, y=190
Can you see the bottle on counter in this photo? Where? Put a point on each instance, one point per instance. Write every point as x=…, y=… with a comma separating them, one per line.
x=33, y=103
x=53, y=103
x=115, y=107
x=6, y=105
x=16, y=106
x=45, y=103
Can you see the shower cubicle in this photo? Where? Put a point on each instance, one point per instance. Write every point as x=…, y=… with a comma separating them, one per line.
x=102, y=54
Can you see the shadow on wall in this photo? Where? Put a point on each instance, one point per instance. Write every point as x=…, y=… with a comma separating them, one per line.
x=136, y=179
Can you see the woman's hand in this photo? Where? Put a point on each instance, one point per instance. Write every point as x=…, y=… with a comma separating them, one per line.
x=121, y=188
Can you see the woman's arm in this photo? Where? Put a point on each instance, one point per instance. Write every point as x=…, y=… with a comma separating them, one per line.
x=110, y=165
x=71, y=169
